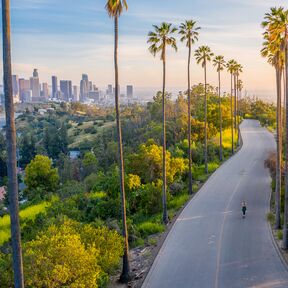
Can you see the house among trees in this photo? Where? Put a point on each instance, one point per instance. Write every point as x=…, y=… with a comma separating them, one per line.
x=2, y=193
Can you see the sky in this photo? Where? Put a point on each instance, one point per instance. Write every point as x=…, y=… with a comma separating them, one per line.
x=70, y=37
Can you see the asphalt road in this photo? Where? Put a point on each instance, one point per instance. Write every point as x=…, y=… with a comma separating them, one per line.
x=210, y=244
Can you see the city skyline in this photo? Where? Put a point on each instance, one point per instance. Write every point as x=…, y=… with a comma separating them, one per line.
x=65, y=47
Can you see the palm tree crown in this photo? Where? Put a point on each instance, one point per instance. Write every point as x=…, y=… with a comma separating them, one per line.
x=219, y=63
x=203, y=55
x=189, y=33
x=161, y=38
x=231, y=66
x=115, y=7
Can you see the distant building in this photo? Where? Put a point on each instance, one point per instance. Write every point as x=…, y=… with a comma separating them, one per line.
x=54, y=87
x=15, y=88
x=35, y=86
x=75, y=93
x=66, y=89
x=84, y=88
x=129, y=91
x=24, y=87
x=45, y=91
x=110, y=89
x=26, y=96
x=35, y=73
x=95, y=95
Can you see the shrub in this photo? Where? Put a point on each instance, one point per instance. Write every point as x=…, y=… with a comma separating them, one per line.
x=149, y=228
x=178, y=201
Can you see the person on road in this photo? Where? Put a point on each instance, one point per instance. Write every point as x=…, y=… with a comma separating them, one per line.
x=244, y=208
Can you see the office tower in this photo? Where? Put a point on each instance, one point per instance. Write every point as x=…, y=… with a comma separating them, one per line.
x=24, y=86
x=75, y=94
x=26, y=96
x=35, y=73
x=110, y=89
x=84, y=87
x=66, y=89
x=15, y=85
x=95, y=95
x=129, y=91
x=90, y=86
x=45, y=91
x=54, y=87
x=35, y=86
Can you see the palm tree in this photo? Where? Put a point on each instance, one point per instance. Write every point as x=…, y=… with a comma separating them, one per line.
x=11, y=150
x=114, y=9
x=240, y=88
x=231, y=69
x=189, y=34
x=159, y=40
x=272, y=50
x=238, y=70
x=203, y=55
x=219, y=62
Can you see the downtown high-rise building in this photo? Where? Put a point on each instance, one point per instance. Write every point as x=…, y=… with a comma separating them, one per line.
x=25, y=92
x=75, y=94
x=84, y=88
x=35, y=86
x=110, y=89
x=129, y=91
x=45, y=92
x=54, y=87
x=66, y=90
x=15, y=88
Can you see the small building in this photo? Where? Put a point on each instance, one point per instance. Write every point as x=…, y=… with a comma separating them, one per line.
x=2, y=193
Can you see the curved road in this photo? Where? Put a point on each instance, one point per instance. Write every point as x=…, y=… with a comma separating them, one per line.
x=210, y=245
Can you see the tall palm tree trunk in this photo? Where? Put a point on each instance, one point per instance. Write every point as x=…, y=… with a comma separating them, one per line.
x=189, y=123
x=285, y=230
x=164, y=188
x=205, y=100
x=232, y=121
x=125, y=269
x=220, y=117
x=11, y=150
x=279, y=152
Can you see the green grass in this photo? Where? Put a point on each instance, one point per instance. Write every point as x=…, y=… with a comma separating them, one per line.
x=28, y=213
x=178, y=201
x=149, y=228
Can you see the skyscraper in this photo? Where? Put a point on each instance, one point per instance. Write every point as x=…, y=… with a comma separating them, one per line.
x=35, y=86
x=35, y=73
x=66, y=89
x=110, y=89
x=84, y=87
x=15, y=88
x=129, y=91
x=45, y=91
x=54, y=87
x=24, y=87
x=75, y=93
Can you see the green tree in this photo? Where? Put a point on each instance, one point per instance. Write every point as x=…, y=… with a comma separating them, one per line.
x=219, y=63
x=115, y=9
x=41, y=179
x=203, y=55
x=189, y=34
x=89, y=163
x=160, y=39
x=27, y=149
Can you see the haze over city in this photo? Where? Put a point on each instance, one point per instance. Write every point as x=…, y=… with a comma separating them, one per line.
x=69, y=38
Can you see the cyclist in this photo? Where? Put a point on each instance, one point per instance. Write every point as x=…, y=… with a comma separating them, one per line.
x=244, y=208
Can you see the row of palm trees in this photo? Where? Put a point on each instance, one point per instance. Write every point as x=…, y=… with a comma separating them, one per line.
x=275, y=49
x=159, y=39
